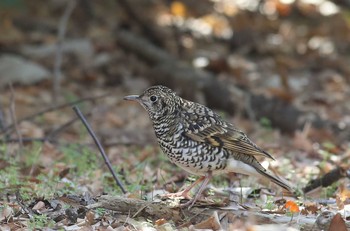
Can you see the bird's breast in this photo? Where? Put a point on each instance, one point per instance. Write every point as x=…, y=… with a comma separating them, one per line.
x=193, y=156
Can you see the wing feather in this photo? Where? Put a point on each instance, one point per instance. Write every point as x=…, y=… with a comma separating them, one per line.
x=208, y=127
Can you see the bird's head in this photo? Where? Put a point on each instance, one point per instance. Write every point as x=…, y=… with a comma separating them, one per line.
x=158, y=101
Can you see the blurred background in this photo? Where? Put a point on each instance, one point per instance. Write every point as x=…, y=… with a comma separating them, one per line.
x=278, y=69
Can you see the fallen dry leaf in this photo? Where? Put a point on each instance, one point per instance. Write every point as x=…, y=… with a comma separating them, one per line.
x=90, y=217
x=301, y=139
x=212, y=223
x=38, y=206
x=310, y=208
x=342, y=196
x=160, y=222
x=337, y=223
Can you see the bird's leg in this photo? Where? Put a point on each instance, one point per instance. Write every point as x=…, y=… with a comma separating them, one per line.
x=206, y=180
x=185, y=193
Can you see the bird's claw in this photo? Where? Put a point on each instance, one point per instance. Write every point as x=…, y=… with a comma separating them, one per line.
x=182, y=194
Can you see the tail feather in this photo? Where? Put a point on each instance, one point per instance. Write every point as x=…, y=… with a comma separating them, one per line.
x=253, y=162
x=277, y=180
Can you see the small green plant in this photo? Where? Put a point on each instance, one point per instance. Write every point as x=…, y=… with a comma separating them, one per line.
x=267, y=204
x=265, y=122
x=39, y=222
x=270, y=205
x=220, y=181
x=329, y=191
x=84, y=160
x=328, y=145
x=289, y=214
x=33, y=153
x=3, y=150
x=9, y=176
x=325, y=154
x=100, y=211
x=50, y=186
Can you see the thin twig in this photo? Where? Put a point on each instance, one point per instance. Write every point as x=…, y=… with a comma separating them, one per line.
x=54, y=108
x=139, y=211
x=25, y=208
x=49, y=138
x=25, y=140
x=100, y=148
x=60, y=38
x=13, y=116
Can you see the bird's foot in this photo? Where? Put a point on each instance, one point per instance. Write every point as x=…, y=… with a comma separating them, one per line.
x=182, y=194
x=188, y=204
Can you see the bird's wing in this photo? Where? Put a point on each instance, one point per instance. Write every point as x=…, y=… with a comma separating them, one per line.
x=203, y=125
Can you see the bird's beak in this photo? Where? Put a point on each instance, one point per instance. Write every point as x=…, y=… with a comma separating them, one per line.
x=132, y=97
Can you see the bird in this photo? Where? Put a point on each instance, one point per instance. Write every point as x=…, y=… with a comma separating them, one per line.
x=198, y=140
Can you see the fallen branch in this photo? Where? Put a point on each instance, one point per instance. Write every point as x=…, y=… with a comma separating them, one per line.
x=140, y=208
x=184, y=217
x=327, y=179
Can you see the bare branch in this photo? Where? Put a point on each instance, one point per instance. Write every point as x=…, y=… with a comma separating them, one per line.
x=327, y=179
x=100, y=148
x=54, y=108
x=13, y=115
x=2, y=118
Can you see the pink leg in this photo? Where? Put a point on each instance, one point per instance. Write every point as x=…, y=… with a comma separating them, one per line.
x=191, y=202
x=185, y=192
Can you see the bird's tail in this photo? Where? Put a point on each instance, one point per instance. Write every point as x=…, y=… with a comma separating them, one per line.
x=261, y=171
x=277, y=180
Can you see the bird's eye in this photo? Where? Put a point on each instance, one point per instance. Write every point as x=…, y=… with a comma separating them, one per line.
x=153, y=98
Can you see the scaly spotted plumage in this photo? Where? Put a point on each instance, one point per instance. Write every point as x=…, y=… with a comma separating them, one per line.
x=198, y=140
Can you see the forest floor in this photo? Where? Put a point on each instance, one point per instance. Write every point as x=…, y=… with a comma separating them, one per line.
x=52, y=175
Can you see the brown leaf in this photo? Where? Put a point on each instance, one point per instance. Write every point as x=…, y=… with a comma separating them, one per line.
x=63, y=173
x=160, y=222
x=281, y=94
x=29, y=129
x=38, y=206
x=342, y=196
x=212, y=223
x=337, y=223
x=90, y=217
x=6, y=213
x=310, y=208
x=301, y=139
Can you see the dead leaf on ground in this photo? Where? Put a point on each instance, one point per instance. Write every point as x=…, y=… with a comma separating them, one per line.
x=342, y=196
x=337, y=223
x=212, y=223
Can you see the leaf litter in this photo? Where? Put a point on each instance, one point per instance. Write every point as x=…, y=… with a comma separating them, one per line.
x=52, y=184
